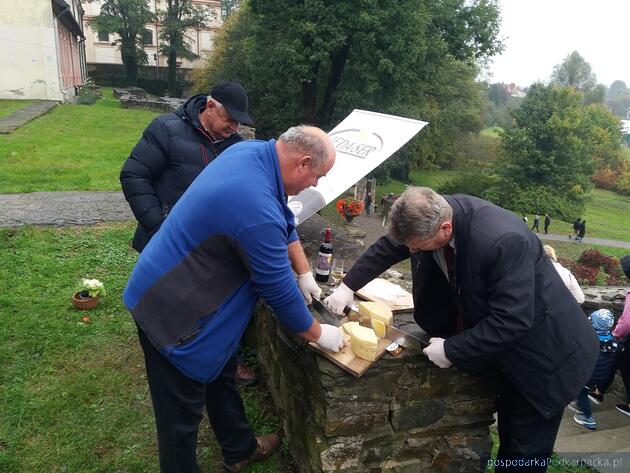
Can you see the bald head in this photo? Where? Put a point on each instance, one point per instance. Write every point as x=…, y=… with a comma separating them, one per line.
x=305, y=154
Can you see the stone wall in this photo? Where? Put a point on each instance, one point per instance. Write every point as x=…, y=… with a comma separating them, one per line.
x=403, y=415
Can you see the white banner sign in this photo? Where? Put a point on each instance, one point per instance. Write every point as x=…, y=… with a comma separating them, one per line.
x=363, y=140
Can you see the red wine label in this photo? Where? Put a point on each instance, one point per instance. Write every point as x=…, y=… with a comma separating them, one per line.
x=323, y=264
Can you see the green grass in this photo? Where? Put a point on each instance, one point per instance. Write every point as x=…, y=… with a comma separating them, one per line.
x=607, y=215
x=73, y=395
x=7, y=107
x=73, y=147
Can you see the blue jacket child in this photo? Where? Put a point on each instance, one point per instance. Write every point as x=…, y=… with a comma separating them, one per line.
x=602, y=321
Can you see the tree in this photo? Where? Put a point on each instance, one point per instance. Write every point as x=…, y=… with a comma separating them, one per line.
x=498, y=94
x=552, y=151
x=314, y=61
x=619, y=98
x=228, y=7
x=574, y=72
x=617, y=88
x=177, y=17
x=127, y=19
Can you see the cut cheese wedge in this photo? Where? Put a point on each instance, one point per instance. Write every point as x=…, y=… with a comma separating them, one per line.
x=348, y=327
x=380, y=329
x=376, y=310
x=363, y=342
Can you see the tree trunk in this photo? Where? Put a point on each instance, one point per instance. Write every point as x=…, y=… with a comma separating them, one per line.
x=309, y=100
x=130, y=60
x=172, y=74
x=338, y=64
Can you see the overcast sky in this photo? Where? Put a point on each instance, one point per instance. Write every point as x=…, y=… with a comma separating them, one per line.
x=538, y=34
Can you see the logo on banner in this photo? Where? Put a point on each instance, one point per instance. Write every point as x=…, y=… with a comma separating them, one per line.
x=357, y=142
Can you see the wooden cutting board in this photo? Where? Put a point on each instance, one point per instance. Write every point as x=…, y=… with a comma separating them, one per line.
x=347, y=360
x=380, y=290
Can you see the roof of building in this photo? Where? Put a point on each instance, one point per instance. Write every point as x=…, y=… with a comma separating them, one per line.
x=64, y=14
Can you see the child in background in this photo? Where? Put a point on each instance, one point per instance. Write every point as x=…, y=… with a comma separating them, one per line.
x=622, y=330
x=602, y=321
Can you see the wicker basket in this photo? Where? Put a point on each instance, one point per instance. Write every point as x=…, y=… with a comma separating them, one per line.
x=84, y=303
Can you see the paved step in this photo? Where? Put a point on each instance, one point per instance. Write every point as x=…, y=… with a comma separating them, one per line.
x=608, y=446
x=25, y=115
x=63, y=208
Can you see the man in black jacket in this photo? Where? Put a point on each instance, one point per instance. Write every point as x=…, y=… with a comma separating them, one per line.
x=173, y=150
x=493, y=302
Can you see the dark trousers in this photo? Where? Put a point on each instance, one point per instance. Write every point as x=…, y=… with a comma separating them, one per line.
x=623, y=365
x=524, y=434
x=178, y=404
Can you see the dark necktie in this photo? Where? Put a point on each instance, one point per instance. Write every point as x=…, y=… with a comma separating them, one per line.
x=449, y=258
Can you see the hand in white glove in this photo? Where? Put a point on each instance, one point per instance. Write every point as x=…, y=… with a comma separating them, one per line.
x=331, y=338
x=308, y=286
x=342, y=296
x=435, y=353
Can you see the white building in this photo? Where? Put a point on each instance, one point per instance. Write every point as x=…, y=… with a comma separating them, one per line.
x=42, y=54
x=102, y=49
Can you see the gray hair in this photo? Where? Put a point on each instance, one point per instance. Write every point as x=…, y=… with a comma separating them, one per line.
x=303, y=139
x=418, y=212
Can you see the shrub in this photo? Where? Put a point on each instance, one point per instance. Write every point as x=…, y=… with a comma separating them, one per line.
x=471, y=183
x=594, y=268
x=596, y=259
x=605, y=178
x=87, y=95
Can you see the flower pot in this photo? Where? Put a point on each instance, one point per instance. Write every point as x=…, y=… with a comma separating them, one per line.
x=84, y=302
x=349, y=218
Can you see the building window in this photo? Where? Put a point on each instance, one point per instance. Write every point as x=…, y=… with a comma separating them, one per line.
x=103, y=37
x=147, y=37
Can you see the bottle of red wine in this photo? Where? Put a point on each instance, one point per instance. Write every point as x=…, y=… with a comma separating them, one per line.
x=322, y=273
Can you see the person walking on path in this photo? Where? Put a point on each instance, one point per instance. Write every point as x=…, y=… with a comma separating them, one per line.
x=493, y=303
x=547, y=223
x=536, y=223
x=197, y=282
x=576, y=228
x=581, y=231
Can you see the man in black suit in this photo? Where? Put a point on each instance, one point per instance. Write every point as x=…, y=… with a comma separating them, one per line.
x=493, y=303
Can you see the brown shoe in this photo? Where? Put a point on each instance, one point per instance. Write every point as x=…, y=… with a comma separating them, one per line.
x=265, y=446
x=245, y=376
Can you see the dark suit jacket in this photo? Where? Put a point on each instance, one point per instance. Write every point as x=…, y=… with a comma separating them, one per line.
x=518, y=313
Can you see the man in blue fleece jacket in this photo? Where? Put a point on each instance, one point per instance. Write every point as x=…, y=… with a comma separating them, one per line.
x=226, y=243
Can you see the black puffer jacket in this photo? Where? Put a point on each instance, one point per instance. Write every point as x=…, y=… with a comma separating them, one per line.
x=173, y=150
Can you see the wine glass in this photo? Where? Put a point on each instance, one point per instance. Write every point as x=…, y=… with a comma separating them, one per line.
x=336, y=270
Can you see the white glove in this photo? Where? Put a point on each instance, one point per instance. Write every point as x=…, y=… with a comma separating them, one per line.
x=308, y=286
x=435, y=353
x=331, y=338
x=342, y=296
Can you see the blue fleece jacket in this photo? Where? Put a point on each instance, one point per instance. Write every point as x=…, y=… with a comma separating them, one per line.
x=223, y=245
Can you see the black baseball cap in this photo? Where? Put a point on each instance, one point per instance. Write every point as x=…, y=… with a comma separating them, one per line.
x=232, y=96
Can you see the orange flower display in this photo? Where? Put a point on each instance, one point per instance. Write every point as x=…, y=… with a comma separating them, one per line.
x=349, y=207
